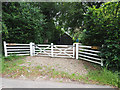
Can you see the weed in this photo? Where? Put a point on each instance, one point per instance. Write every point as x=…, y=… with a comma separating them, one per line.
x=38, y=67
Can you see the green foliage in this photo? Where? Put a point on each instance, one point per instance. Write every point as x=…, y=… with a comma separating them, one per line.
x=22, y=22
x=103, y=29
x=25, y=22
x=70, y=16
x=50, y=11
x=104, y=77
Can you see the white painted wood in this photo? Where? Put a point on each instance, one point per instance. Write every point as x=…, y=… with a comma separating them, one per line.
x=89, y=50
x=90, y=60
x=56, y=48
x=13, y=44
x=51, y=49
x=77, y=44
x=65, y=51
x=63, y=46
x=73, y=50
x=102, y=62
x=43, y=50
x=64, y=56
x=20, y=52
x=31, y=49
x=37, y=50
x=88, y=53
x=18, y=49
x=44, y=55
x=90, y=57
x=5, y=49
x=81, y=46
x=41, y=45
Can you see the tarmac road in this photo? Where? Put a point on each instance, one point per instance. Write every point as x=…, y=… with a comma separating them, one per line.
x=15, y=83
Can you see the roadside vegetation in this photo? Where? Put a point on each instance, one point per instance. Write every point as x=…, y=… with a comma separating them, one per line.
x=14, y=67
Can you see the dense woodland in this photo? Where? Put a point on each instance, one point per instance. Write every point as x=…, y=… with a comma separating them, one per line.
x=92, y=23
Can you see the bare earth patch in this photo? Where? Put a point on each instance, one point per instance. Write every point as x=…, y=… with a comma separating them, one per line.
x=59, y=64
x=43, y=66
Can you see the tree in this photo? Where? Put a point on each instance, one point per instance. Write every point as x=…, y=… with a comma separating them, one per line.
x=22, y=22
x=102, y=29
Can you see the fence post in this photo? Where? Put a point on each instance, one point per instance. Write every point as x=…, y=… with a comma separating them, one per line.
x=101, y=62
x=77, y=45
x=31, y=49
x=73, y=50
x=51, y=49
x=5, y=49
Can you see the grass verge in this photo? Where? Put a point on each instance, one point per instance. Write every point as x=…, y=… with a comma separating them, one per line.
x=11, y=63
x=101, y=75
x=104, y=77
x=14, y=67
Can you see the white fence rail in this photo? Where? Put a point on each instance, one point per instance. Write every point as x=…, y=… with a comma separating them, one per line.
x=77, y=51
x=18, y=49
x=89, y=53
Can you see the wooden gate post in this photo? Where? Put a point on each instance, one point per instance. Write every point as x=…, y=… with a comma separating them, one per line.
x=101, y=61
x=76, y=45
x=5, y=49
x=74, y=51
x=31, y=49
x=51, y=49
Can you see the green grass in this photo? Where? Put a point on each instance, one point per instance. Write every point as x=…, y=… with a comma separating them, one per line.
x=104, y=77
x=38, y=67
x=11, y=64
x=99, y=75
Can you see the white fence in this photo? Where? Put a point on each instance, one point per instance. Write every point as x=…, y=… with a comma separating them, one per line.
x=77, y=51
x=89, y=53
x=18, y=49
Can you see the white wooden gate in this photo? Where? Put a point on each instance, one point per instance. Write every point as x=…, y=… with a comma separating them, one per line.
x=54, y=50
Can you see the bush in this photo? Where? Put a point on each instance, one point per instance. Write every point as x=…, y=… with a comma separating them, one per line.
x=22, y=22
x=103, y=29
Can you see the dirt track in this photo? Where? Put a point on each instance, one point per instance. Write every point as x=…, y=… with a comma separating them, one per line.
x=60, y=64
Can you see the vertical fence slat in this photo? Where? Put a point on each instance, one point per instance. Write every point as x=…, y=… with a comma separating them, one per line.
x=51, y=49
x=5, y=49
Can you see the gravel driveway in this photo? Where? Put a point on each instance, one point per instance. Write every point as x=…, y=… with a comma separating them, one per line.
x=60, y=64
